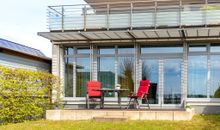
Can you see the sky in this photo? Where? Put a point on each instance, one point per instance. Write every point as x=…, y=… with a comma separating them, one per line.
x=20, y=20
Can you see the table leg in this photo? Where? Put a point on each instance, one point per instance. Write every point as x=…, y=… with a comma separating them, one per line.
x=102, y=99
x=119, y=99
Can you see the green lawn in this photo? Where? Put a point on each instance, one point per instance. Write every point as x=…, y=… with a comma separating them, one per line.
x=207, y=122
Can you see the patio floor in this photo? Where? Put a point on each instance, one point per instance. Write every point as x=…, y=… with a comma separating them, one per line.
x=119, y=114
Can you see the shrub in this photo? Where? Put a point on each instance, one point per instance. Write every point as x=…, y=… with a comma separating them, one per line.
x=24, y=94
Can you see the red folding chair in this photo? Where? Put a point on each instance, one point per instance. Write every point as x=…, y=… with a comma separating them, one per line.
x=141, y=94
x=92, y=92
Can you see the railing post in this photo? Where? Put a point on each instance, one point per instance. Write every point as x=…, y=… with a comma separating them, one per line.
x=131, y=15
x=84, y=14
x=206, y=5
x=155, y=15
x=107, y=18
x=62, y=18
x=180, y=10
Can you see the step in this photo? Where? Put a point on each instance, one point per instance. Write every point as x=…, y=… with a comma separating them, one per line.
x=110, y=118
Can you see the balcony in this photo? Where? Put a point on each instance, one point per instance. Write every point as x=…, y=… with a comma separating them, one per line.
x=135, y=15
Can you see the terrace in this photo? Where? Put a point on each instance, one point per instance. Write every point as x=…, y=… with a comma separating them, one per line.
x=134, y=15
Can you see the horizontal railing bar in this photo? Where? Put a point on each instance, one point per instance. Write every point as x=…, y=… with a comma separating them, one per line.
x=107, y=15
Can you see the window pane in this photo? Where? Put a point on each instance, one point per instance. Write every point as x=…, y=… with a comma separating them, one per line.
x=172, y=81
x=68, y=51
x=197, y=48
x=107, y=50
x=68, y=77
x=83, y=51
x=215, y=49
x=126, y=74
x=125, y=50
x=150, y=71
x=106, y=73
x=215, y=77
x=156, y=49
x=197, y=77
x=82, y=76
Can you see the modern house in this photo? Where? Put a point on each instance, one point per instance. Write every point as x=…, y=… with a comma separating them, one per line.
x=174, y=43
x=15, y=55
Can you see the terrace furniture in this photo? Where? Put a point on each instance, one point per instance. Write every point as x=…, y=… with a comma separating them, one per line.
x=91, y=94
x=107, y=90
x=141, y=94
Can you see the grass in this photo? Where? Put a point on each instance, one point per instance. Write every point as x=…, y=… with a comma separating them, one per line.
x=205, y=122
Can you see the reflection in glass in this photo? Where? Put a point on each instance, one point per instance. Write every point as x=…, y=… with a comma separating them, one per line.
x=172, y=81
x=68, y=51
x=68, y=77
x=197, y=76
x=83, y=50
x=161, y=49
x=106, y=73
x=215, y=77
x=150, y=70
x=197, y=48
x=82, y=76
x=107, y=50
x=215, y=48
x=125, y=50
x=126, y=74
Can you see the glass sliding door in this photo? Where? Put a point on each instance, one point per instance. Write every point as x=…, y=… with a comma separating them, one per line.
x=150, y=71
x=126, y=74
x=82, y=76
x=215, y=77
x=172, y=81
x=197, y=76
x=106, y=73
x=68, y=77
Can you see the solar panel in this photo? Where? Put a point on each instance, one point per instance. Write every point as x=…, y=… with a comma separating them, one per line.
x=20, y=48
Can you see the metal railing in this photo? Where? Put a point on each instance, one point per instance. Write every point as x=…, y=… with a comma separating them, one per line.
x=131, y=15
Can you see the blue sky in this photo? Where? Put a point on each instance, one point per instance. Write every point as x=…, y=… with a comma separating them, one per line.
x=20, y=20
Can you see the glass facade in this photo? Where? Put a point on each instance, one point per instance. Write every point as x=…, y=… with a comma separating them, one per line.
x=172, y=81
x=106, y=73
x=126, y=74
x=162, y=65
x=82, y=76
x=215, y=77
x=197, y=76
x=69, y=77
x=150, y=71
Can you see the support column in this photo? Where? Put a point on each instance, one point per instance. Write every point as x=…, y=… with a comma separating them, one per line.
x=137, y=65
x=184, y=75
x=161, y=82
x=74, y=72
x=57, y=68
x=209, y=72
x=94, y=63
x=116, y=65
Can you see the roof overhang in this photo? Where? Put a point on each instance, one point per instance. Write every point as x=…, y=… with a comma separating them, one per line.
x=178, y=34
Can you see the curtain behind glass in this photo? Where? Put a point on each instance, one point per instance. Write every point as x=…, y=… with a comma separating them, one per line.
x=215, y=77
x=68, y=77
x=82, y=76
x=126, y=74
x=106, y=73
x=197, y=76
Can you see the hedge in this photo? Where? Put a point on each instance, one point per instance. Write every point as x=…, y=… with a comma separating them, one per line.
x=24, y=94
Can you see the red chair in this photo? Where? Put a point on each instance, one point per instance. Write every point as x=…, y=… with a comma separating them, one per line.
x=92, y=91
x=141, y=94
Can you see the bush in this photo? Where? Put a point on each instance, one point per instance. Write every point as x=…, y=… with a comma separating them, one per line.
x=24, y=94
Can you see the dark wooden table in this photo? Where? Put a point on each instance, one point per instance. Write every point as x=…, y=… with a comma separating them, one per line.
x=103, y=91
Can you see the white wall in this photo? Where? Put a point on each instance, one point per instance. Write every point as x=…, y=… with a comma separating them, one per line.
x=20, y=62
